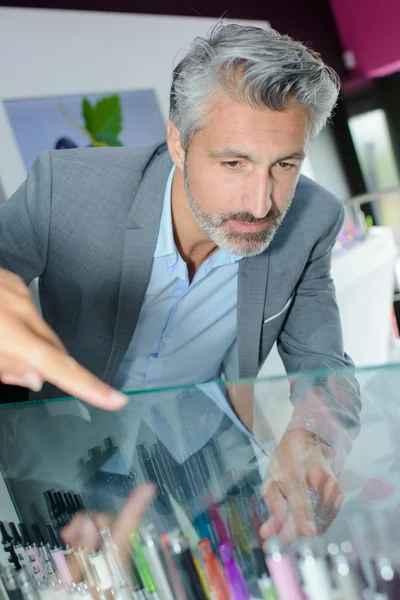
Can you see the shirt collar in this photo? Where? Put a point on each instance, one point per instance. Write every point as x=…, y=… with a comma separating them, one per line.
x=166, y=243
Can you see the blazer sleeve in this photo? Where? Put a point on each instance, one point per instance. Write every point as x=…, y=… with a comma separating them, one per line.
x=25, y=223
x=311, y=340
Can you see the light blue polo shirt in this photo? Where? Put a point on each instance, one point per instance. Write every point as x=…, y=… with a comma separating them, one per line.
x=184, y=329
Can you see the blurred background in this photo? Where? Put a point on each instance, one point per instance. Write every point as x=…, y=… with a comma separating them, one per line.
x=64, y=65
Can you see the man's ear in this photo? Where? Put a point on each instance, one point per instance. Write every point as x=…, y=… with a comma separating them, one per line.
x=174, y=145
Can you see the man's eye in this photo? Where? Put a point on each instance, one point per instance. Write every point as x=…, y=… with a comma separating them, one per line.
x=232, y=165
x=286, y=166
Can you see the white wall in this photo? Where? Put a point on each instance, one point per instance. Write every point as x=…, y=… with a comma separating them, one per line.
x=49, y=52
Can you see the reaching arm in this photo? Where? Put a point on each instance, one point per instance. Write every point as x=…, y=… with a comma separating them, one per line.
x=311, y=340
x=30, y=352
x=25, y=223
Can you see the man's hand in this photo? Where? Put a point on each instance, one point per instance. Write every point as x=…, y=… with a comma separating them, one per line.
x=31, y=353
x=301, y=492
x=83, y=530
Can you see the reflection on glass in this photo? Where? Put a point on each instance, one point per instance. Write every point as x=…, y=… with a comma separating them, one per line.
x=290, y=460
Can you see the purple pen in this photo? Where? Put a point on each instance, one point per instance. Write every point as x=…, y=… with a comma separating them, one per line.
x=234, y=576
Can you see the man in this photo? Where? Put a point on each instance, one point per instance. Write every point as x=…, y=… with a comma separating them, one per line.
x=179, y=264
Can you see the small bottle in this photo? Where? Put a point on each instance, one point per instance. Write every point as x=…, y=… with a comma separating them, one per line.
x=35, y=565
x=57, y=554
x=44, y=553
x=215, y=575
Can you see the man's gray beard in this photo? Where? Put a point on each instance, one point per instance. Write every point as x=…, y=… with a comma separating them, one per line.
x=234, y=242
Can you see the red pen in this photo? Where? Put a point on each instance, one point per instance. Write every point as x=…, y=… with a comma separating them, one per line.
x=214, y=572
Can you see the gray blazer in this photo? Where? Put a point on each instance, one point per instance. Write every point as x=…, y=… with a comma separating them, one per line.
x=86, y=223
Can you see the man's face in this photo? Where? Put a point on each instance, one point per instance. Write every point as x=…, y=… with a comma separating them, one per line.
x=241, y=170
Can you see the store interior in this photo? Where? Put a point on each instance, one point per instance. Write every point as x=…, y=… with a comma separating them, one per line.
x=210, y=448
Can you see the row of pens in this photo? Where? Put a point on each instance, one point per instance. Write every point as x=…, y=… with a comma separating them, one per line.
x=218, y=558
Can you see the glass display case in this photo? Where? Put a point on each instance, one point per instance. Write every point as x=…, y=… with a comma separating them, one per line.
x=315, y=457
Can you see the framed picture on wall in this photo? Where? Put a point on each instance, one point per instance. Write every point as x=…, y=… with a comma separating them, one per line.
x=128, y=118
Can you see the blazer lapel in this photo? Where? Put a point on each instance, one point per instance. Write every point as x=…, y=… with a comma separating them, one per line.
x=139, y=245
x=252, y=289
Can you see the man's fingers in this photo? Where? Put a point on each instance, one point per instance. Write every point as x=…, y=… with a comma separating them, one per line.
x=84, y=529
x=63, y=371
x=131, y=515
x=27, y=341
x=272, y=527
x=16, y=372
x=39, y=326
x=289, y=531
x=276, y=504
x=28, y=379
x=300, y=503
x=302, y=511
x=49, y=363
x=330, y=491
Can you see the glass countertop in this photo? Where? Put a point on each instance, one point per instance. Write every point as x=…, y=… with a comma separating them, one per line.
x=209, y=448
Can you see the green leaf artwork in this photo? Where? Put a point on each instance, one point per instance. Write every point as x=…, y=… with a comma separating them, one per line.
x=102, y=121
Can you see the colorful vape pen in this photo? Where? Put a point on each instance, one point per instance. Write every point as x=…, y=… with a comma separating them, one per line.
x=10, y=583
x=8, y=546
x=44, y=553
x=171, y=570
x=315, y=574
x=215, y=575
x=186, y=568
x=141, y=562
x=19, y=549
x=234, y=576
x=121, y=581
x=152, y=553
x=57, y=554
x=347, y=579
x=282, y=571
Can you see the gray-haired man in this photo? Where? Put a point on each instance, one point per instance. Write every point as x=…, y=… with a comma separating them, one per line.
x=173, y=265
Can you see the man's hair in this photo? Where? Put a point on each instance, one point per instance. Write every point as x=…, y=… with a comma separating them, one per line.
x=253, y=65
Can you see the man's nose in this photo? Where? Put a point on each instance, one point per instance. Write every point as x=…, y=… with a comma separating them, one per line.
x=258, y=199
